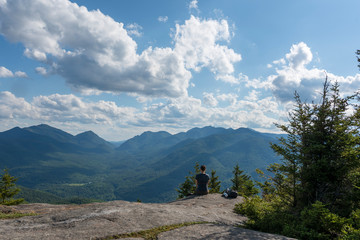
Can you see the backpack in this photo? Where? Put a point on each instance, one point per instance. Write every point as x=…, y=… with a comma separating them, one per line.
x=233, y=194
x=229, y=193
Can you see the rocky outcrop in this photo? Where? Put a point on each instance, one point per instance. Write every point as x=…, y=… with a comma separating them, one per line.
x=99, y=220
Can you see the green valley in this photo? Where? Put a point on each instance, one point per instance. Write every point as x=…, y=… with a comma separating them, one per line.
x=55, y=166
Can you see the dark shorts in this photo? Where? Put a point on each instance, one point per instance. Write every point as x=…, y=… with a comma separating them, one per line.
x=200, y=193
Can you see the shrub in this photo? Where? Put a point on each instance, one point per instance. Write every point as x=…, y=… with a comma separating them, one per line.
x=315, y=222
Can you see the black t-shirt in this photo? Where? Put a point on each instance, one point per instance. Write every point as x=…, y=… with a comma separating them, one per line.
x=202, y=180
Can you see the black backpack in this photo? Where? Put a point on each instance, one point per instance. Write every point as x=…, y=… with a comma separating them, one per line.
x=233, y=194
x=229, y=193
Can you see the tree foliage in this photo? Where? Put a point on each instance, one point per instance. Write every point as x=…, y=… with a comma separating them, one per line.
x=321, y=151
x=314, y=193
x=242, y=183
x=188, y=187
x=214, y=183
x=8, y=189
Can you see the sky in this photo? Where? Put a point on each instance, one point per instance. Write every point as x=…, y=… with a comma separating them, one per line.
x=119, y=68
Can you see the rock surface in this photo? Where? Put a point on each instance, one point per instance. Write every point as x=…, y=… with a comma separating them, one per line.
x=97, y=220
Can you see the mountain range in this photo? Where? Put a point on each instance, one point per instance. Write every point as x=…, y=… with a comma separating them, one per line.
x=148, y=167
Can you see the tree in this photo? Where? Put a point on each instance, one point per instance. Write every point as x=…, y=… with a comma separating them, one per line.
x=358, y=57
x=188, y=187
x=214, y=183
x=242, y=183
x=286, y=176
x=320, y=152
x=314, y=193
x=8, y=190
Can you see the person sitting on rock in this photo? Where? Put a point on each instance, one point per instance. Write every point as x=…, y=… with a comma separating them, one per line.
x=202, y=180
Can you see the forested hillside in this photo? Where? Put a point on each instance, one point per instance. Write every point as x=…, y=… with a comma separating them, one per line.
x=147, y=167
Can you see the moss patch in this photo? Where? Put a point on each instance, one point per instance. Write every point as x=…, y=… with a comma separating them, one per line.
x=150, y=234
x=15, y=215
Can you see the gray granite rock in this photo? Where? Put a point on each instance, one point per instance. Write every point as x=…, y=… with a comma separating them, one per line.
x=96, y=220
x=217, y=231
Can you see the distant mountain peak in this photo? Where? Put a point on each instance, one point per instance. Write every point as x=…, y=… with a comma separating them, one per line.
x=89, y=139
x=155, y=133
x=42, y=126
x=52, y=132
x=87, y=133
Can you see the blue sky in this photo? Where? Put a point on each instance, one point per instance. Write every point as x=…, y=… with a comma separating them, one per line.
x=120, y=68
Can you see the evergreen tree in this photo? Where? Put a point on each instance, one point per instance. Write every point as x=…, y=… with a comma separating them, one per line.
x=188, y=187
x=237, y=178
x=214, y=183
x=242, y=183
x=314, y=193
x=321, y=151
x=8, y=190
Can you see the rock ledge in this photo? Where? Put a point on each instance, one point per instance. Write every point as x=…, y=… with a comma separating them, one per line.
x=96, y=220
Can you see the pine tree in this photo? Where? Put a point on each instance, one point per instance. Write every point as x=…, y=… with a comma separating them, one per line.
x=321, y=151
x=286, y=176
x=237, y=178
x=242, y=183
x=188, y=187
x=8, y=190
x=214, y=183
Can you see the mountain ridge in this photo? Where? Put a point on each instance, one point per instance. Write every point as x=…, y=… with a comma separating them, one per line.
x=148, y=166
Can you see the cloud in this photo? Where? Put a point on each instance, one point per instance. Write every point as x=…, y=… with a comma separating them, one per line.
x=196, y=41
x=64, y=108
x=175, y=114
x=193, y=5
x=231, y=98
x=94, y=52
x=20, y=74
x=253, y=96
x=91, y=50
x=189, y=112
x=293, y=74
x=41, y=71
x=58, y=108
x=6, y=73
x=134, y=29
x=163, y=19
x=35, y=54
x=209, y=100
x=12, y=107
x=300, y=55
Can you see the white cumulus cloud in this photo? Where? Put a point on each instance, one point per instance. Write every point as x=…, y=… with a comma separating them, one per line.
x=300, y=55
x=294, y=74
x=41, y=71
x=209, y=100
x=93, y=52
x=13, y=107
x=6, y=73
x=59, y=108
x=197, y=42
